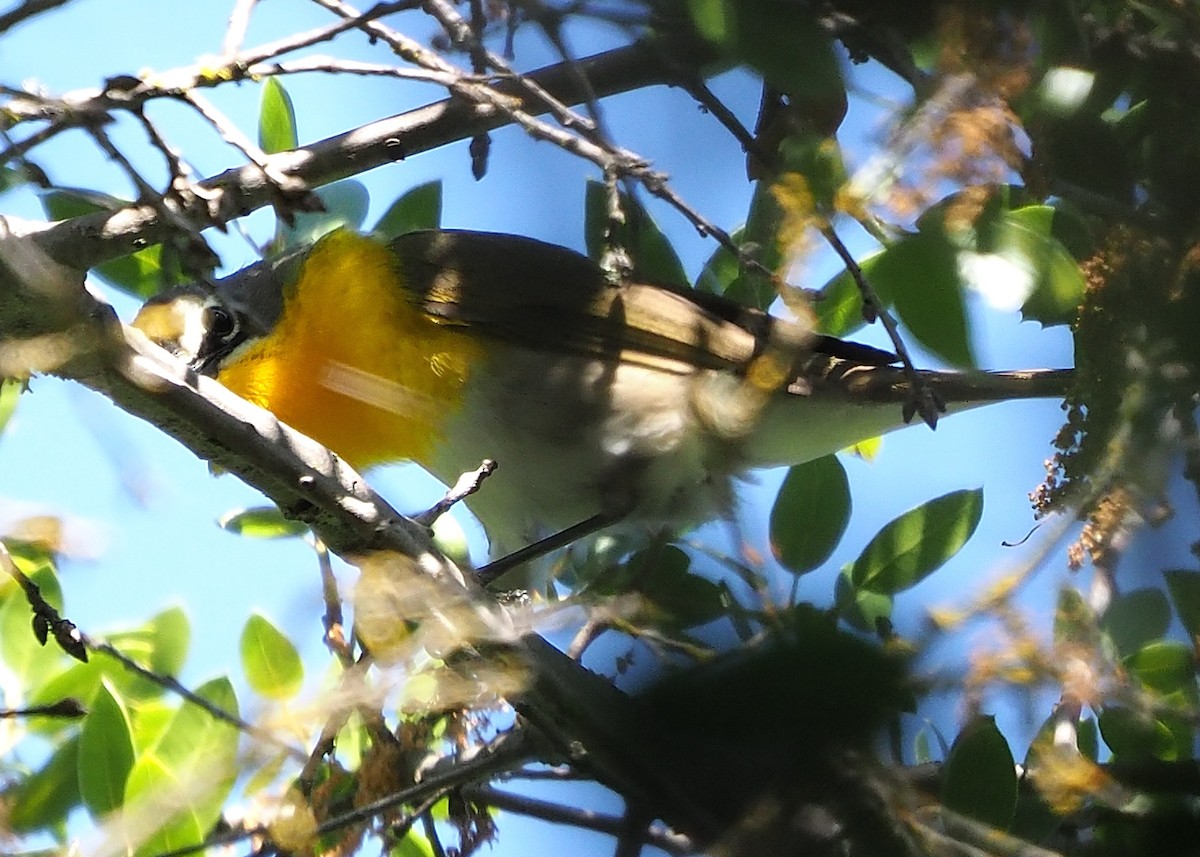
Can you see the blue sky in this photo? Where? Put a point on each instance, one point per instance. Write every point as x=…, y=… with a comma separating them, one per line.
x=143, y=508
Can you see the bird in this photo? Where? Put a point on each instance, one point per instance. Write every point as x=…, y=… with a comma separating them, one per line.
x=601, y=400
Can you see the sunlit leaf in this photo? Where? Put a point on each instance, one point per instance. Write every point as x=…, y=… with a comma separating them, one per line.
x=918, y=542
x=105, y=753
x=1057, y=283
x=25, y=656
x=270, y=660
x=417, y=208
x=810, y=514
x=862, y=608
x=10, y=392
x=414, y=843
x=980, y=777
x=188, y=773
x=261, y=522
x=276, y=119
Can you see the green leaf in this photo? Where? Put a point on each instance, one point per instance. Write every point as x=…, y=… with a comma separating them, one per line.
x=1135, y=735
x=1074, y=622
x=980, y=777
x=783, y=41
x=840, y=307
x=761, y=236
x=720, y=271
x=1135, y=619
x=346, y=203
x=271, y=662
x=45, y=797
x=671, y=593
x=810, y=514
x=276, y=119
x=165, y=795
x=413, y=843
x=105, y=753
x=654, y=259
x=1184, y=587
x=1028, y=241
x=28, y=659
x=170, y=636
x=921, y=274
x=918, y=542
x=863, y=609
x=261, y=522
x=1163, y=666
x=418, y=208
x=10, y=392
x=186, y=776
x=141, y=274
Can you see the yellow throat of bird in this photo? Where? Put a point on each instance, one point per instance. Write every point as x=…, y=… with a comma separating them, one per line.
x=352, y=362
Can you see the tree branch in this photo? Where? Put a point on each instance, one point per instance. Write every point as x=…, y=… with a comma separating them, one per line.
x=84, y=242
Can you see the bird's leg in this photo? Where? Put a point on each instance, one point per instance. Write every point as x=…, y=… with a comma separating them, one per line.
x=491, y=572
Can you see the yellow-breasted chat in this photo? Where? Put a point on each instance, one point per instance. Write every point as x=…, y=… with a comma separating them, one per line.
x=623, y=400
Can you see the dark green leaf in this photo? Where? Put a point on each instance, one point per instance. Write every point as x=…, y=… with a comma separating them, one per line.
x=105, y=753
x=921, y=275
x=782, y=41
x=918, y=542
x=43, y=799
x=270, y=660
x=661, y=575
x=1135, y=619
x=261, y=522
x=276, y=119
x=418, y=208
x=654, y=259
x=810, y=514
x=1135, y=735
x=1184, y=587
x=980, y=777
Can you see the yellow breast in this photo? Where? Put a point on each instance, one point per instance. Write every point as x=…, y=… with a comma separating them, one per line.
x=352, y=362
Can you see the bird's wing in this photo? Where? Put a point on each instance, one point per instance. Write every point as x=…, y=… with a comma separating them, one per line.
x=543, y=296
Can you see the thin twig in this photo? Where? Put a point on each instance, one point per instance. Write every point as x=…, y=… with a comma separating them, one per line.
x=467, y=484
x=925, y=402
x=586, y=819
x=27, y=10
x=239, y=22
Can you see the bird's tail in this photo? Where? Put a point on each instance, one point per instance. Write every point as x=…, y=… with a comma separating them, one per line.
x=846, y=393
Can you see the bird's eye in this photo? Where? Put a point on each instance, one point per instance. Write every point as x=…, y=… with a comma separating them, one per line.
x=220, y=324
